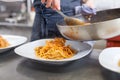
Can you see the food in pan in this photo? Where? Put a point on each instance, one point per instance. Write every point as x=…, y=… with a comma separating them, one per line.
x=119, y=63
x=3, y=42
x=71, y=21
x=55, y=49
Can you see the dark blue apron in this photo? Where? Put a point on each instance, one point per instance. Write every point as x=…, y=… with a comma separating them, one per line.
x=45, y=19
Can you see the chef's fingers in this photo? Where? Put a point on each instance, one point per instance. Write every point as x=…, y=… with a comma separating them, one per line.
x=43, y=1
x=49, y=3
x=56, y=5
x=90, y=3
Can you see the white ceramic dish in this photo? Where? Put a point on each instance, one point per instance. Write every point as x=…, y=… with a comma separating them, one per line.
x=27, y=50
x=109, y=59
x=13, y=40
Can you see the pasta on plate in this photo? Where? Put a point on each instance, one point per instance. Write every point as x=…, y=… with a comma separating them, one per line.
x=55, y=49
x=3, y=42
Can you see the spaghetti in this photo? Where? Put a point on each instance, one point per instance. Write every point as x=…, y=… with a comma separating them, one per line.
x=3, y=42
x=55, y=49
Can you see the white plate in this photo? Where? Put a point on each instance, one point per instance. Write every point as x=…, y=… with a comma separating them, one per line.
x=109, y=58
x=27, y=50
x=13, y=40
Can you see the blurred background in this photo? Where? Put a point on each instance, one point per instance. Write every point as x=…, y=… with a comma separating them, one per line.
x=16, y=17
x=17, y=12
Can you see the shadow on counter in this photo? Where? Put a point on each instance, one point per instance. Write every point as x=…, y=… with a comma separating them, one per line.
x=109, y=75
x=8, y=56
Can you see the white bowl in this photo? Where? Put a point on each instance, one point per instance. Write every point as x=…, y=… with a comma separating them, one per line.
x=27, y=50
x=13, y=40
x=109, y=59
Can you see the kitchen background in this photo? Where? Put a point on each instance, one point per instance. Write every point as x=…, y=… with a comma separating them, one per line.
x=16, y=17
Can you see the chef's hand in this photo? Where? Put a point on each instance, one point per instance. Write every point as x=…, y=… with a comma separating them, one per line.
x=88, y=7
x=54, y=4
x=89, y=3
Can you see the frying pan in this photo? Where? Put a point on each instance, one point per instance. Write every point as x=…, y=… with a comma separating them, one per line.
x=104, y=25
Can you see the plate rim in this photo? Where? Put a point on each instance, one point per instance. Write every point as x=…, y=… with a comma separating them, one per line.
x=100, y=62
x=48, y=60
x=4, y=35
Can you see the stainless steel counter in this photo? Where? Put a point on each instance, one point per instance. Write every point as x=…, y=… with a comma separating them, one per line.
x=14, y=67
